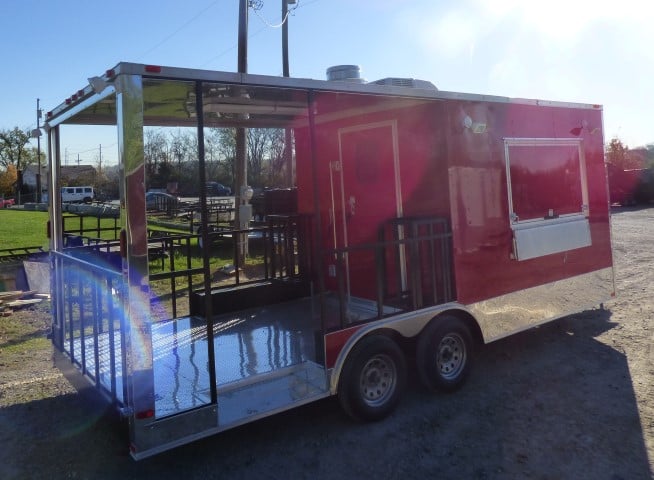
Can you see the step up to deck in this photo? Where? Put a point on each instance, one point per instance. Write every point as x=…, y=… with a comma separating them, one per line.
x=271, y=393
x=240, y=297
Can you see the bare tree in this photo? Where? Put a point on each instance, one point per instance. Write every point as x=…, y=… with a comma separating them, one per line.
x=227, y=153
x=257, y=141
x=276, y=157
x=266, y=156
x=155, y=149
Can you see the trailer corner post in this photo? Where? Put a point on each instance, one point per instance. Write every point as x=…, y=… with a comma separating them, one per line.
x=208, y=299
x=138, y=348
x=56, y=235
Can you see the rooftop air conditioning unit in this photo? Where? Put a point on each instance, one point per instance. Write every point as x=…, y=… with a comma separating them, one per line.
x=406, y=82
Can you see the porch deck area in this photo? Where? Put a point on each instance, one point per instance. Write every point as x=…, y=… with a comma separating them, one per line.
x=267, y=359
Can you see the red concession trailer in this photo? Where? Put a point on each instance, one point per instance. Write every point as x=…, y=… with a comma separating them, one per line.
x=419, y=224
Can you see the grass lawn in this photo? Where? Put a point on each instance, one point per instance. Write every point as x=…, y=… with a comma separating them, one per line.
x=20, y=228
x=25, y=228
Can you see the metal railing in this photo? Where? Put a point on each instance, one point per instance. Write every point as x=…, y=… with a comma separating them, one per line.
x=89, y=321
x=19, y=253
x=412, y=269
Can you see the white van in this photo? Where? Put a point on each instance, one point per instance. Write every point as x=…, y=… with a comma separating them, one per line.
x=77, y=194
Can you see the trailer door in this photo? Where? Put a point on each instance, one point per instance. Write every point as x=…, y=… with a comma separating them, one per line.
x=366, y=192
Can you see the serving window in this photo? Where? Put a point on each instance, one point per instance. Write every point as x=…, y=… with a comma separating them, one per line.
x=548, y=195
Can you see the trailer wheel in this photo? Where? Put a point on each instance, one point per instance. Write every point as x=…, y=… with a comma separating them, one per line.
x=373, y=379
x=444, y=354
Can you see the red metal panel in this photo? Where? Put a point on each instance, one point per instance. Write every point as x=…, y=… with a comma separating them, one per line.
x=481, y=229
x=334, y=343
x=452, y=164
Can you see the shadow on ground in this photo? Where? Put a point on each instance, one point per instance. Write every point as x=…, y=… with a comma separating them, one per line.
x=552, y=402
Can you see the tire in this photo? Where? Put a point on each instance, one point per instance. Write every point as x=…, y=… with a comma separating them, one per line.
x=373, y=379
x=444, y=354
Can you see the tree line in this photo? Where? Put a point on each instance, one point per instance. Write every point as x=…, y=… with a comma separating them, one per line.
x=15, y=155
x=630, y=173
x=171, y=157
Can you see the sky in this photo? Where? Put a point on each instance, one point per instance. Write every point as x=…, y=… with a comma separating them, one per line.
x=582, y=51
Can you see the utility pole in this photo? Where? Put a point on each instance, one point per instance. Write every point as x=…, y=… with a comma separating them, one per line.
x=288, y=156
x=285, y=3
x=243, y=36
x=100, y=160
x=241, y=152
x=38, y=150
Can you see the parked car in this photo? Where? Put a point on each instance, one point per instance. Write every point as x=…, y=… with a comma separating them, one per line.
x=6, y=202
x=218, y=189
x=77, y=194
x=161, y=201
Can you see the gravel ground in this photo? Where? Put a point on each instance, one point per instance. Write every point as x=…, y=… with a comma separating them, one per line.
x=573, y=399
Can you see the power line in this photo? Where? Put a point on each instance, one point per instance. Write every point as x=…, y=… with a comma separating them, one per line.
x=92, y=149
x=303, y=4
x=283, y=21
x=233, y=47
x=187, y=23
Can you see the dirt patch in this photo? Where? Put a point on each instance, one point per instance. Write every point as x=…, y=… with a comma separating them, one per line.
x=571, y=399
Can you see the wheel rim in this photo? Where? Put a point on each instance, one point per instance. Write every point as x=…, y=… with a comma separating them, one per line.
x=451, y=356
x=378, y=380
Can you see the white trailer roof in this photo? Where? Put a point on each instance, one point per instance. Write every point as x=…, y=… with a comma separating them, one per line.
x=86, y=96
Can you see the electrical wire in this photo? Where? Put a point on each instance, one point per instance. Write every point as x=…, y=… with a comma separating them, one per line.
x=187, y=23
x=278, y=25
x=233, y=47
x=252, y=35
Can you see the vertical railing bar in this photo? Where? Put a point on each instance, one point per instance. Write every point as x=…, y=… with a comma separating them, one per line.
x=169, y=246
x=381, y=238
x=123, y=346
x=69, y=301
x=237, y=256
x=341, y=287
x=379, y=269
x=432, y=263
x=189, y=276
x=266, y=252
x=273, y=248
x=288, y=246
x=110, y=328
x=398, y=258
x=447, y=271
x=94, y=313
x=416, y=281
x=80, y=300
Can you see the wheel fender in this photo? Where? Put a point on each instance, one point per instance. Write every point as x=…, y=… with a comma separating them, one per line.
x=407, y=325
